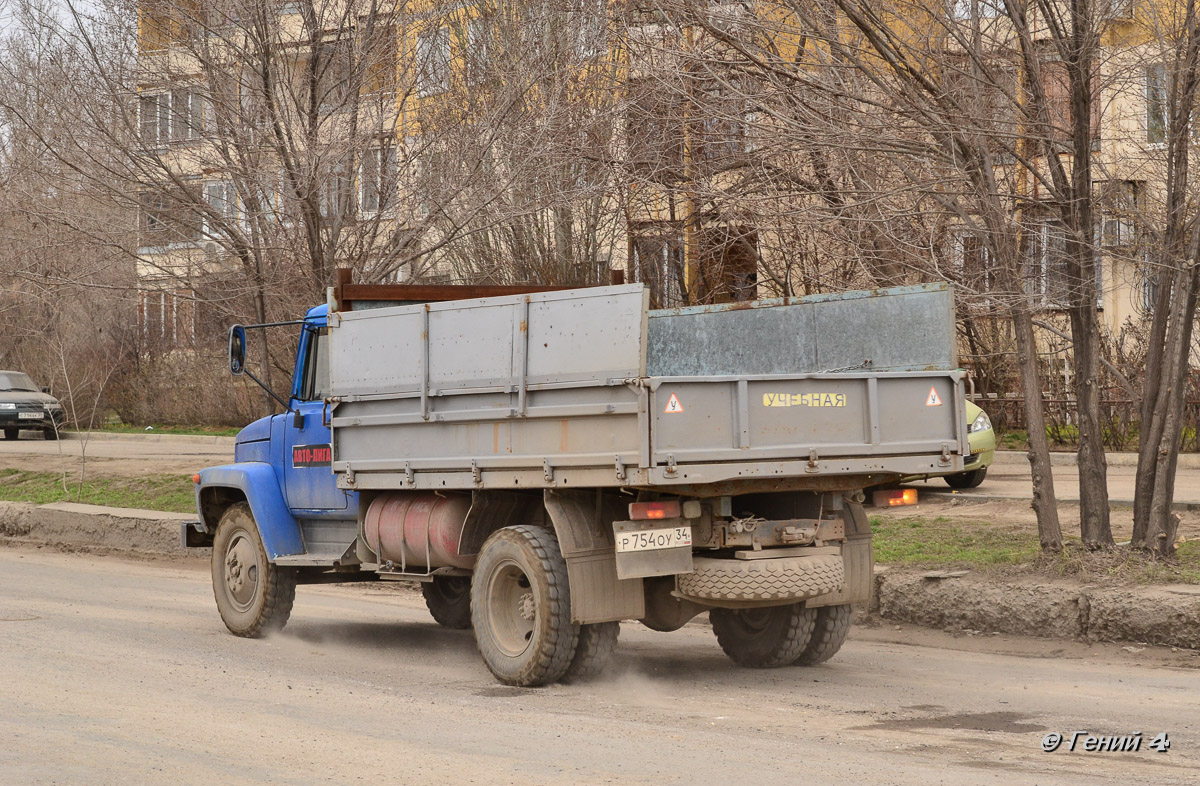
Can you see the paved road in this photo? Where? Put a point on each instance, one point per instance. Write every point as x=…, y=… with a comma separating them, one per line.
x=120, y=672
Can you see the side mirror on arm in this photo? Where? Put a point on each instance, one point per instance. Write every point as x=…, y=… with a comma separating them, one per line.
x=237, y=350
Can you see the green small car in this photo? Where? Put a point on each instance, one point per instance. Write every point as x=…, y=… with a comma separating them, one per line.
x=982, y=440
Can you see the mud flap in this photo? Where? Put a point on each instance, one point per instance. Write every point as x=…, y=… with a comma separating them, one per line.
x=858, y=558
x=583, y=522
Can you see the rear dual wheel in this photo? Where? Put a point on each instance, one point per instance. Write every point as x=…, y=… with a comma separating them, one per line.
x=774, y=636
x=521, y=613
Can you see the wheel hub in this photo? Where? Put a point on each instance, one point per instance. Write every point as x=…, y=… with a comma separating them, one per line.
x=526, y=607
x=241, y=573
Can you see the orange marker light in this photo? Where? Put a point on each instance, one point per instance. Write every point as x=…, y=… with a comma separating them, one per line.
x=196, y=478
x=892, y=498
x=640, y=511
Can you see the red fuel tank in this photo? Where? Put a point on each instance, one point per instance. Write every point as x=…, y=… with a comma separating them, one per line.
x=417, y=529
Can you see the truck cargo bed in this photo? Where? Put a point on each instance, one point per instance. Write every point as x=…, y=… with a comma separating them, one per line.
x=589, y=388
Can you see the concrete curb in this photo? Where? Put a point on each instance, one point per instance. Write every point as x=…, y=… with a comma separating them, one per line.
x=1164, y=614
x=150, y=436
x=1161, y=614
x=70, y=526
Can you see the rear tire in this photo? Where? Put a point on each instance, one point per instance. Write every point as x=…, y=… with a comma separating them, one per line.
x=521, y=607
x=828, y=636
x=448, y=599
x=12, y=433
x=594, y=650
x=253, y=596
x=966, y=480
x=764, y=638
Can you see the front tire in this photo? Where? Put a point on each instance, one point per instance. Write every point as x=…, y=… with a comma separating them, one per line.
x=253, y=596
x=521, y=607
x=12, y=433
x=966, y=480
x=51, y=434
x=764, y=638
x=448, y=599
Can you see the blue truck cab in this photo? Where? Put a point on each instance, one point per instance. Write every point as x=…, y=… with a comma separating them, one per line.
x=281, y=470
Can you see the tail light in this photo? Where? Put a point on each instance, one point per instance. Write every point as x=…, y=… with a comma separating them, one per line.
x=641, y=511
x=891, y=498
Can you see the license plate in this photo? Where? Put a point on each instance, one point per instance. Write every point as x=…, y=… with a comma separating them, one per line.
x=651, y=539
x=30, y=416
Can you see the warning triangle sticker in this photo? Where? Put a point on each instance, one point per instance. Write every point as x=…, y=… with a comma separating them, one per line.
x=673, y=405
x=933, y=400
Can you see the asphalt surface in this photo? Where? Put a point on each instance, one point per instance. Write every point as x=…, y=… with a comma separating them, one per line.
x=121, y=672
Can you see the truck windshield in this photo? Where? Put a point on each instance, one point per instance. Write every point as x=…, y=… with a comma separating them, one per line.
x=316, y=367
x=17, y=381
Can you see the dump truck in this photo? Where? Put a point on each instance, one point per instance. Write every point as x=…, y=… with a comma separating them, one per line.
x=547, y=464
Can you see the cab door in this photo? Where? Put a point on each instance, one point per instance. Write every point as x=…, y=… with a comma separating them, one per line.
x=308, y=480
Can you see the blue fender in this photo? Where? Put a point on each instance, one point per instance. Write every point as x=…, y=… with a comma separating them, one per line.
x=277, y=526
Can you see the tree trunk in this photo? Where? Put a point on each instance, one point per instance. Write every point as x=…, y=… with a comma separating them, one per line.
x=1094, y=522
x=1045, y=505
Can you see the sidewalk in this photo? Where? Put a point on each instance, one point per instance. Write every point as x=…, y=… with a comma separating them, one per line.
x=1008, y=479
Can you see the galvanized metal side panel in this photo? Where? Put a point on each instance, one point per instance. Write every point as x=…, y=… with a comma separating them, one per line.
x=507, y=341
x=902, y=329
x=829, y=415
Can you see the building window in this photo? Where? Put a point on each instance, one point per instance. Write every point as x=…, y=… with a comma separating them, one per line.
x=433, y=61
x=1149, y=289
x=479, y=39
x=173, y=116
x=1156, y=104
x=973, y=264
x=166, y=318
x=336, y=197
x=657, y=261
x=1121, y=201
x=154, y=116
x=1045, y=270
x=377, y=178
x=590, y=18
x=222, y=197
x=378, y=58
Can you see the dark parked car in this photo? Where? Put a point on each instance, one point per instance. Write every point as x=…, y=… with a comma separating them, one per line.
x=24, y=406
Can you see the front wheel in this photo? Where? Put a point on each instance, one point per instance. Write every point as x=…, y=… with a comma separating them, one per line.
x=764, y=638
x=521, y=607
x=51, y=433
x=966, y=480
x=12, y=433
x=253, y=596
x=448, y=599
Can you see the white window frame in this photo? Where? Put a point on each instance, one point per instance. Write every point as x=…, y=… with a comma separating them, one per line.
x=377, y=178
x=433, y=61
x=222, y=197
